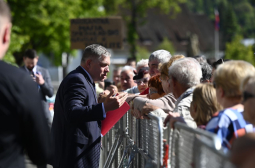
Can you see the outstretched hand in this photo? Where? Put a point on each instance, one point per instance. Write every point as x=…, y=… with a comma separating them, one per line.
x=112, y=102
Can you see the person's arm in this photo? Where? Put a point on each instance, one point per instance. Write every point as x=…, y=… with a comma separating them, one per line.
x=47, y=87
x=74, y=97
x=166, y=103
x=77, y=111
x=33, y=124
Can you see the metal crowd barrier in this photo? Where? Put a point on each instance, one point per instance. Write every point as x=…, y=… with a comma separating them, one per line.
x=207, y=156
x=183, y=145
x=139, y=144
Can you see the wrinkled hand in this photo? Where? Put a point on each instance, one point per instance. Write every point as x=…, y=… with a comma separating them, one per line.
x=112, y=103
x=173, y=120
x=170, y=115
x=39, y=79
x=148, y=108
x=137, y=114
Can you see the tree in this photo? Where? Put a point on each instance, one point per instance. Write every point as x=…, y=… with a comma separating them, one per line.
x=133, y=10
x=237, y=51
x=44, y=25
x=142, y=53
x=166, y=45
x=230, y=25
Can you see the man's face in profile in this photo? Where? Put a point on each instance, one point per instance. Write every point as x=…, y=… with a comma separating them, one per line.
x=153, y=65
x=30, y=63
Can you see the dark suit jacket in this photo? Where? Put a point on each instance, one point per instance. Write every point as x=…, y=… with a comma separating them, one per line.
x=22, y=120
x=76, y=124
x=45, y=90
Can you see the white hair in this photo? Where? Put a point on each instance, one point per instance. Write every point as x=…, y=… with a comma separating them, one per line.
x=187, y=71
x=143, y=63
x=128, y=68
x=162, y=56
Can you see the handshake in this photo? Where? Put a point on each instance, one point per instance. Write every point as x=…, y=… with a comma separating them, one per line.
x=112, y=100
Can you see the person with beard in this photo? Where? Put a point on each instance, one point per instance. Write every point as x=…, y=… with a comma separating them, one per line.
x=42, y=78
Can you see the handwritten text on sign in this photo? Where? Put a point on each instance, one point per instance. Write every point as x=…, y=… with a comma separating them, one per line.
x=104, y=31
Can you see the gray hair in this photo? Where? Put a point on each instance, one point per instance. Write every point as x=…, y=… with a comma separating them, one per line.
x=162, y=56
x=128, y=68
x=206, y=68
x=142, y=62
x=186, y=71
x=96, y=51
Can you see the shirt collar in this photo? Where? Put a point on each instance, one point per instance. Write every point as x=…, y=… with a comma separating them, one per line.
x=186, y=93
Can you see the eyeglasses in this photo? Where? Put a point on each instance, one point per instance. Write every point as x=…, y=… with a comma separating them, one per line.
x=140, y=81
x=214, y=85
x=247, y=95
x=152, y=91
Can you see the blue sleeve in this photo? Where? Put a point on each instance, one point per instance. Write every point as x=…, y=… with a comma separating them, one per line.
x=104, y=113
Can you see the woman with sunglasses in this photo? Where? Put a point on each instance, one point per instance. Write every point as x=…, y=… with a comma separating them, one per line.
x=142, y=79
x=229, y=123
x=248, y=98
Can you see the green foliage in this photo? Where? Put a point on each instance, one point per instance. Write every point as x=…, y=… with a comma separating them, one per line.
x=44, y=25
x=166, y=45
x=142, y=53
x=230, y=25
x=237, y=51
x=132, y=10
x=236, y=16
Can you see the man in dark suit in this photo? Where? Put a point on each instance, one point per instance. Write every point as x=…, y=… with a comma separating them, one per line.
x=22, y=122
x=76, y=127
x=42, y=78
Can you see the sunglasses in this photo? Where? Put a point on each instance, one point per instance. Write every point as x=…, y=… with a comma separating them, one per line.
x=140, y=81
x=214, y=85
x=247, y=95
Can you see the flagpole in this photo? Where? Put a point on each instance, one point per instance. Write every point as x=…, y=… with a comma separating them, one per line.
x=216, y=40
x=216, y=34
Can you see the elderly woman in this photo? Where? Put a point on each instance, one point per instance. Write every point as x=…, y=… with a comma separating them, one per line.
x=166, y=103
x=229, y=123
x=183, y=75
x=142, y=79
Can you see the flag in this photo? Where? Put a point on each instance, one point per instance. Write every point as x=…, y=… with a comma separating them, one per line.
x=217, y=20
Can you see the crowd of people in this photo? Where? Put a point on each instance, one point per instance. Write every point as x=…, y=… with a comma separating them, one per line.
x=217, y=98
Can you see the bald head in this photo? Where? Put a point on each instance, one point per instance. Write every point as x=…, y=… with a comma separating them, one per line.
x=5, y=28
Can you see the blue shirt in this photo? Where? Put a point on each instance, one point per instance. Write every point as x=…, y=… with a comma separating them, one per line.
x=228, y=124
